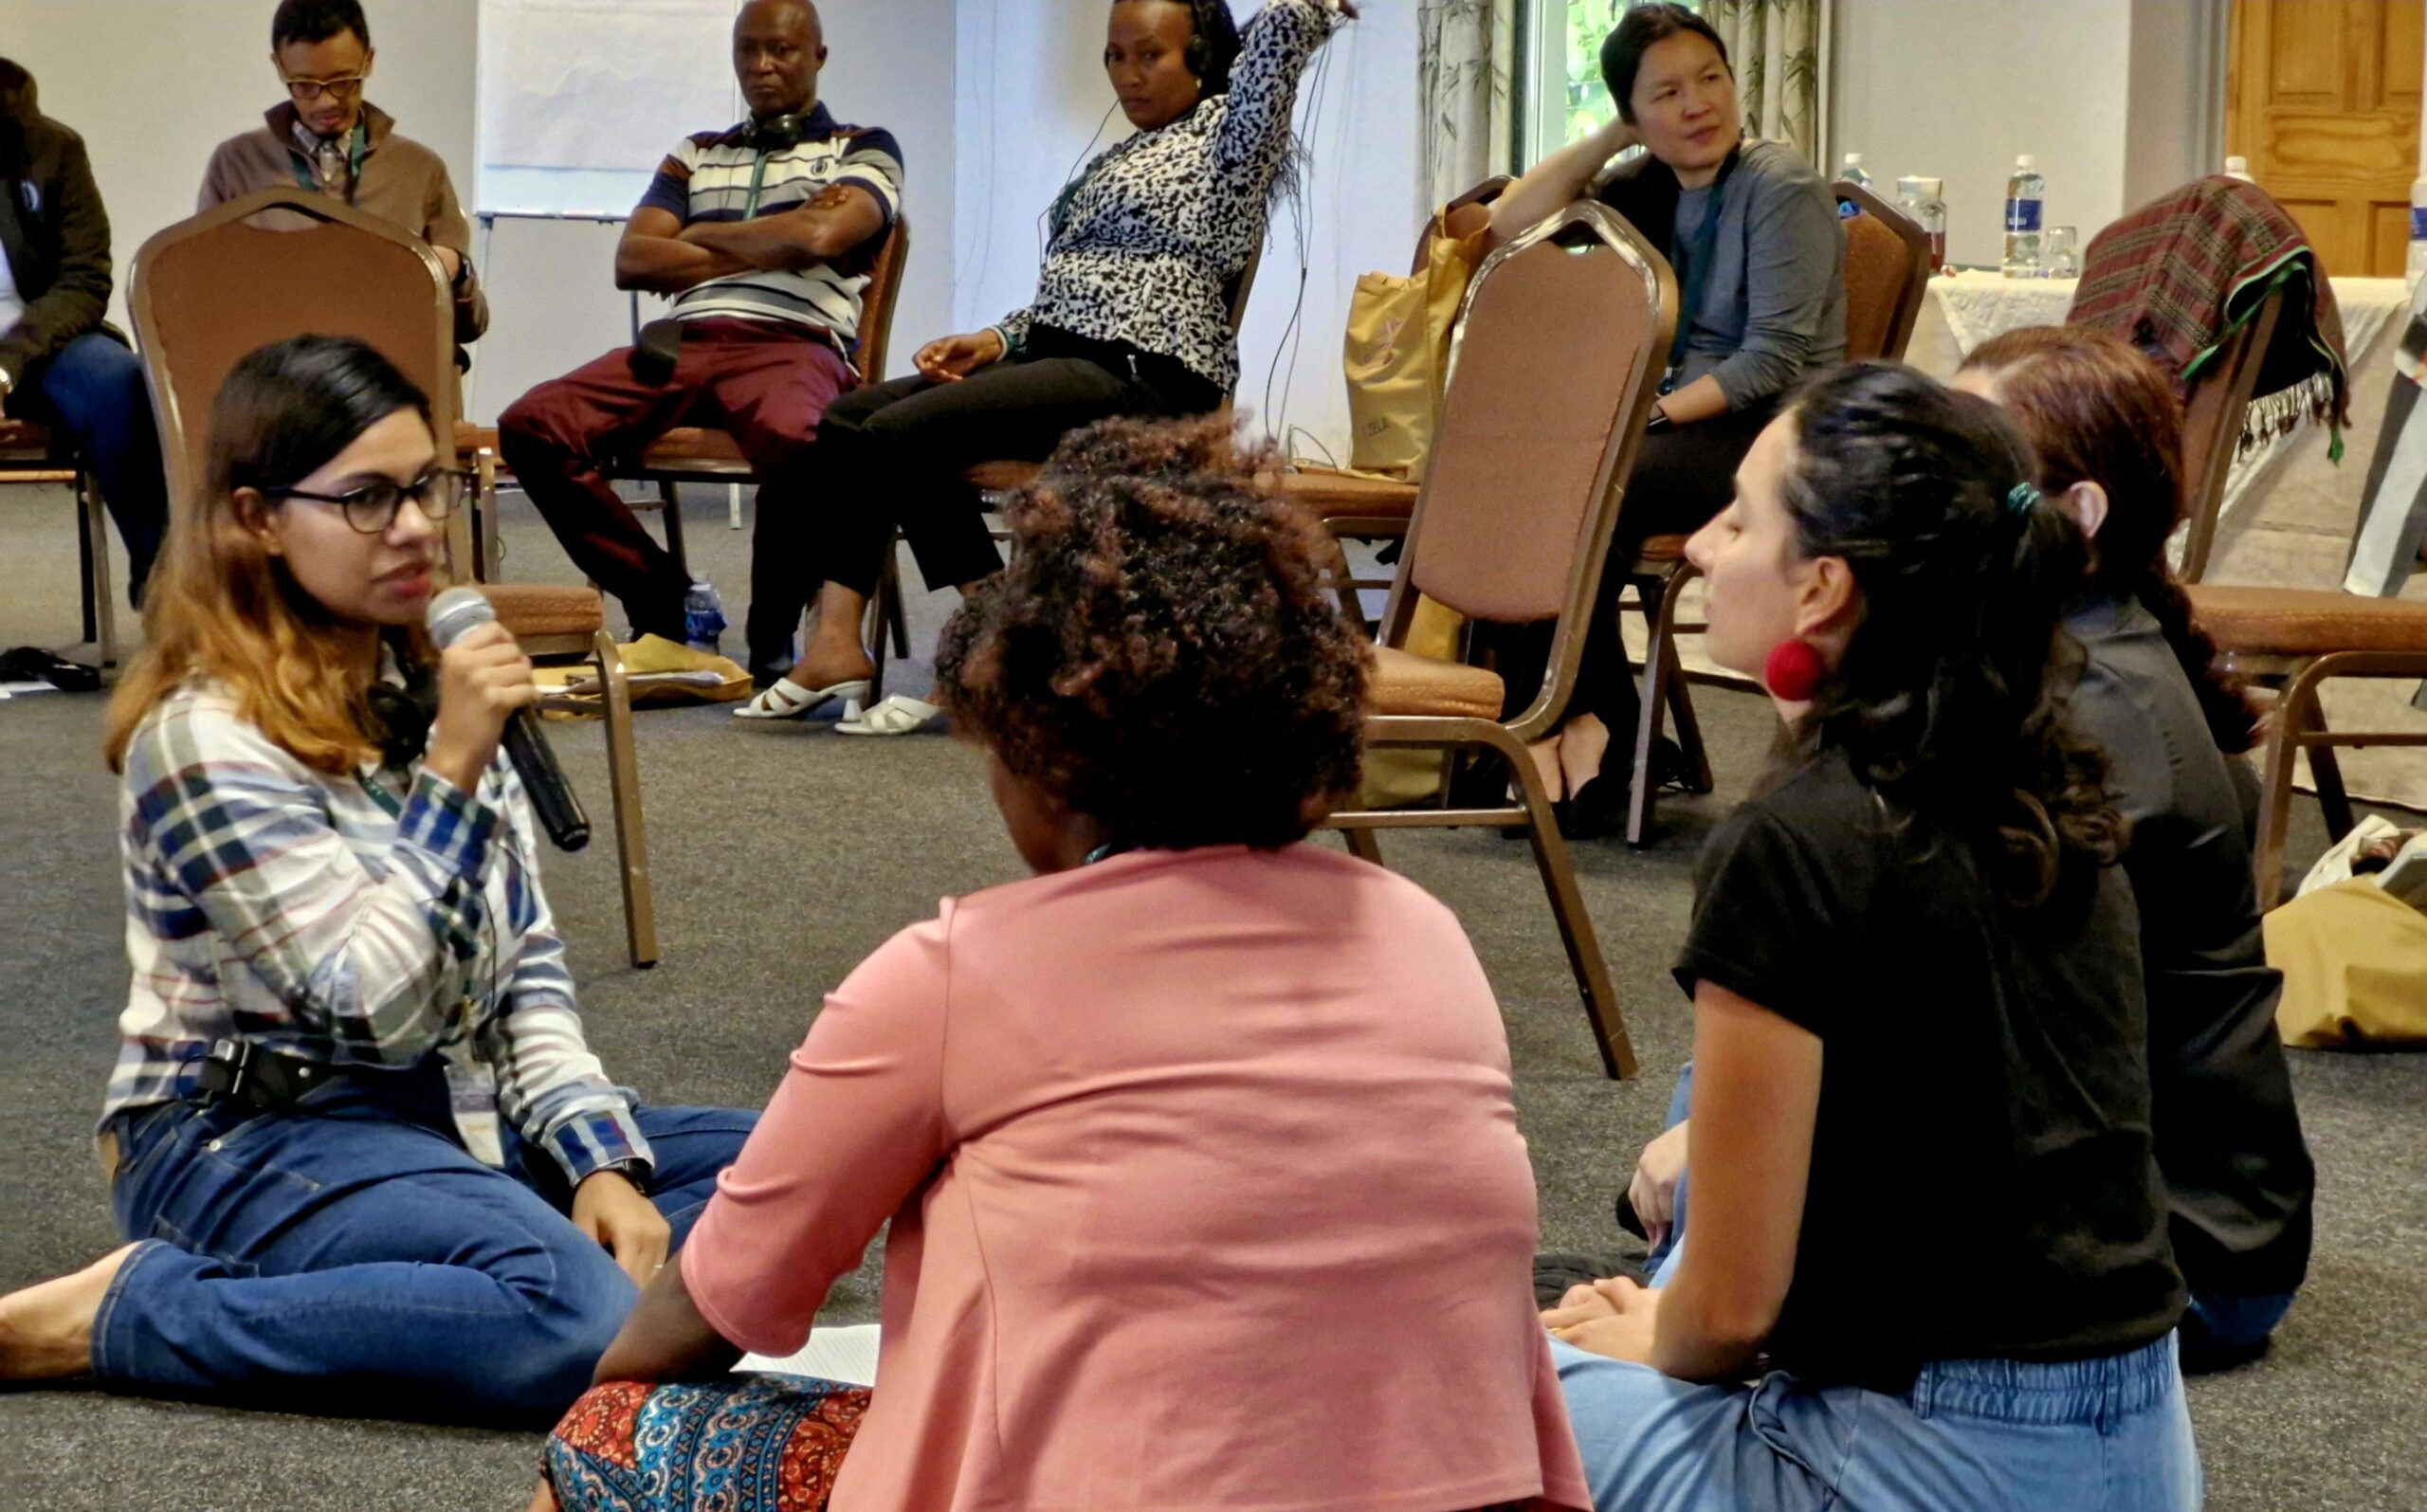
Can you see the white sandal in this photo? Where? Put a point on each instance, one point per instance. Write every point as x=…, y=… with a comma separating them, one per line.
x=897, y=715
x=787, y=700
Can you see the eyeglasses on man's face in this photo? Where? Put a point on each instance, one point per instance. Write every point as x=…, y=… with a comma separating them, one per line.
x=372, y=508
x=304, y=91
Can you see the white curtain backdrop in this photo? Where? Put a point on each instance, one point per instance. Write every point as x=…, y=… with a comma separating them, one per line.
x=1466, y=52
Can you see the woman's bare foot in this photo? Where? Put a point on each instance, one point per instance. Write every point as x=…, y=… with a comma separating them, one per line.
x=544, y=1500
x=46, y=1330
x=823, y=668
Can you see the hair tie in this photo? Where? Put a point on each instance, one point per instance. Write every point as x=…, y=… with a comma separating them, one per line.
x=2022, y=498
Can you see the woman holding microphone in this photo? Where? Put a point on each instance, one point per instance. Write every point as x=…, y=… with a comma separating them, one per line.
x=364, y=1159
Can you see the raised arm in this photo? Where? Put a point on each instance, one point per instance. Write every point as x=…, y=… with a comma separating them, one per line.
x=1273, y=53
x=1756, y=1102
x=1558, y=181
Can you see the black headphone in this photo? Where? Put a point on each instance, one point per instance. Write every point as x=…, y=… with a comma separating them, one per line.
x=782, y=133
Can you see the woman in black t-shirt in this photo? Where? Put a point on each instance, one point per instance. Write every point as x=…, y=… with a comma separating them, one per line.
x=1916, y=972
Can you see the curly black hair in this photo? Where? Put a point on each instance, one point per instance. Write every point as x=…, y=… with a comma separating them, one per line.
x=1161, y=654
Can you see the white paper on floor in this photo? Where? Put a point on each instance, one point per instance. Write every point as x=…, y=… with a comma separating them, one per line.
x=847, y=1355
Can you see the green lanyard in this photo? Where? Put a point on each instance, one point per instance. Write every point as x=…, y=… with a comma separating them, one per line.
x=757, y=182
x=358, y=146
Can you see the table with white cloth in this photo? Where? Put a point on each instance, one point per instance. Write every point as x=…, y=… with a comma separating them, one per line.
x=2290, y=512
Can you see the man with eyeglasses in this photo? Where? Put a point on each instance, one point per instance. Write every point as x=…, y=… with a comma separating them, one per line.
x=60, y=366
x=327, y=138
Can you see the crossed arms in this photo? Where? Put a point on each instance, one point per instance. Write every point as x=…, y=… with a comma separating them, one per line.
x=660, y=254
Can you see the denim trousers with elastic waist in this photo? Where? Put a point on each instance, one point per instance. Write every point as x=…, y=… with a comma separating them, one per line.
x=2110, y=1435
x=354, y=1259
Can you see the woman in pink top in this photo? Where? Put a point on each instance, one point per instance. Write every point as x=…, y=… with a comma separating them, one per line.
x=1205, y=1186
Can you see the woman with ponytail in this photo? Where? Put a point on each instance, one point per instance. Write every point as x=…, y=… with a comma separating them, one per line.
x=1928, y=1226
x=2108, y=436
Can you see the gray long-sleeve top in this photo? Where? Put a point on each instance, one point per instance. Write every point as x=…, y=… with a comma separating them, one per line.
x=1774, y=300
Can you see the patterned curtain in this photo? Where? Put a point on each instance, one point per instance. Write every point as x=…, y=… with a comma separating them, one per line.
x=1779, y=48
x=1465, y=50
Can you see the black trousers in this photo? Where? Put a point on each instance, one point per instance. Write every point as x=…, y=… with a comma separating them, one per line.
x=894, y=454
x=1682, y=479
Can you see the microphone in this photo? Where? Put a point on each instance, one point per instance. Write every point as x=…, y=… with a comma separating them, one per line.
x=451, y=615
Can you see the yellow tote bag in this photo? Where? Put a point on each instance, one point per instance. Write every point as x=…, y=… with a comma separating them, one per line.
x=1396, y=354
x=2354, y=959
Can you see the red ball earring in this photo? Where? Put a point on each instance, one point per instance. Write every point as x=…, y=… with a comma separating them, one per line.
x=1793, y=670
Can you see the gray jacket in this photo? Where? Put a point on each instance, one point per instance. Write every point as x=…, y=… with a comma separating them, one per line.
x=1774, y=300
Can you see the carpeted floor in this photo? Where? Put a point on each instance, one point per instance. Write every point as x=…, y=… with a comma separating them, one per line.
x=782, y=855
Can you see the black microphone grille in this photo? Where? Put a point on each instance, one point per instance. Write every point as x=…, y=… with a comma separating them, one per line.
x=457, y=612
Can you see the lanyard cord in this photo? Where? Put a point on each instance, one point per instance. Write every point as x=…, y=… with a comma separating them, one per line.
x=358, y=146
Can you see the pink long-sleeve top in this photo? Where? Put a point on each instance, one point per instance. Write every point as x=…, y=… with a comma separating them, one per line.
x=1206, y=1191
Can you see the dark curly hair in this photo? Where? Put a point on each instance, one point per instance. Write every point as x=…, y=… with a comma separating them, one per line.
x=1950, y=697
x=1161, y=654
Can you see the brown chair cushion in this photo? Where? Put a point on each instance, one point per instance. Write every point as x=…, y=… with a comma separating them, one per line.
x=1407, y=683
x=1341, y=494
x=1002, y=477
x=693, y=443
x=2306, y=622
x=24, y=441
x=1878, y=266
x=1661, y=551
x=532, y=610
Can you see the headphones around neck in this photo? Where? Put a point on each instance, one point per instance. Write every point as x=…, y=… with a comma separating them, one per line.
x=778, y=134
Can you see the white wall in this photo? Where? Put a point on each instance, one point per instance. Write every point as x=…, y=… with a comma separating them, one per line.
x=1032, y=97
x=1954, y=89
x=154, y=86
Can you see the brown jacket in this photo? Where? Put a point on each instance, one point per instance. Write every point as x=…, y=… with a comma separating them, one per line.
x=56, y=237
x=402, y=182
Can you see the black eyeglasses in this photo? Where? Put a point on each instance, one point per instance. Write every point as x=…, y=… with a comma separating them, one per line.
x=307, y=90
x=372, y=508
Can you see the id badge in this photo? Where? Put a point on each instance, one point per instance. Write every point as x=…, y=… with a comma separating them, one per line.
x=473, y=1092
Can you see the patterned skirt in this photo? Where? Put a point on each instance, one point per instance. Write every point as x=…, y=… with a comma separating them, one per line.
x=750, y=1444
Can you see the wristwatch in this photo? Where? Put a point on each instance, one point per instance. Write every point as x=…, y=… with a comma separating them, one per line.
x=634, y=1170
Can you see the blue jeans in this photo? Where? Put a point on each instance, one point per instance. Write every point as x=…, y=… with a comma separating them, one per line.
x=93, y=389
x=1972, y=1436
x=356, y=1260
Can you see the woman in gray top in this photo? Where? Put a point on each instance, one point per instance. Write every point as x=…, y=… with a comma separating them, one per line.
x=1753, y=234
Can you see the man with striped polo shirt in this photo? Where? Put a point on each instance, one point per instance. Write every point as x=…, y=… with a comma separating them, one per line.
x=764, y=236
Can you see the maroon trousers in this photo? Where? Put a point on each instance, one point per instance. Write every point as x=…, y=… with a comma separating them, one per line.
x=766, y=383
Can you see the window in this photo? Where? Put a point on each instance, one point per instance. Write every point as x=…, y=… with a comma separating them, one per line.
x=1563, y=65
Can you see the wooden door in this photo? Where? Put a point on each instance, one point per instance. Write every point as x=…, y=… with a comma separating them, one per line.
x=2323, y=97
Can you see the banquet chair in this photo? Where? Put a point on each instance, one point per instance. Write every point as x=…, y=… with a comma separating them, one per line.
x=1562, y=335
x=34, y=454
x=209, y=290
x=1887, y=276
x=2289, y=640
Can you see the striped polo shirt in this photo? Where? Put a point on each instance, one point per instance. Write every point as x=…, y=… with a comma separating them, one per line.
x=719, y=177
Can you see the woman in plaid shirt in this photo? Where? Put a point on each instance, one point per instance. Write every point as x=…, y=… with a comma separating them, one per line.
x=366, y=1160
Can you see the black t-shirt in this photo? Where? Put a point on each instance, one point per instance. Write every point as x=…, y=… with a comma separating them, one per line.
x=2236, y=1170
x=1983, y=1183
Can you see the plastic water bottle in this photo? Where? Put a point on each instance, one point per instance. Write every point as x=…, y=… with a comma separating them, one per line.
x=1925, y=200
x=2418, y=229
x=2026, y=192
x=2239, y=168
x=703, y=616
x=1851, y=173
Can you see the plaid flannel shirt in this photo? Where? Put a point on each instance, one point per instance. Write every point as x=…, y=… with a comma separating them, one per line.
x=368, y=922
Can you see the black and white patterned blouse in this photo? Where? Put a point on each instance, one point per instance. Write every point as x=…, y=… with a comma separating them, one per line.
x=1144, y=249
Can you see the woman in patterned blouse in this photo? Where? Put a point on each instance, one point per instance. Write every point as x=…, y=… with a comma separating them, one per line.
x=366, y=1161
x=1131, y=316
